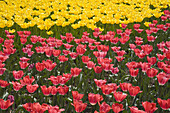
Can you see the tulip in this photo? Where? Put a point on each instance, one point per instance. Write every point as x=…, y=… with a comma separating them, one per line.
x=104, y=108
x=119, y=96
x=76, y=95
x=94, y=98
x=46, y=91
x=16, y=85
x=164, y=104
x=18, y=74
x=134, y=90
x=32, y=88
x=75, y=71
x=5, y=104
x=3, y=83
x=117, y=107
x=79, y=105
x=149, y=107
x=27, y=80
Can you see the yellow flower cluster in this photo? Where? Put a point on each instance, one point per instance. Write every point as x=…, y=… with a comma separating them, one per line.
x=77, y=13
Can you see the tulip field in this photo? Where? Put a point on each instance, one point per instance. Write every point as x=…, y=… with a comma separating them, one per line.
x=89, y=56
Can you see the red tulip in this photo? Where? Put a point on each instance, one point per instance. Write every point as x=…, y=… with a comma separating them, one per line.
x=62, y=58
x=134, y=90
x=162, y=78
x=68, y=46
x=27, y=80
x=28, y=107
x=114, y=40
x=32, y=88
x=115, y=70
x=66, y=52
x=149, y=107
x=134, y=109
x=136, y=26
x=147, y=49
x=109, y=88
x=99, y=54
x=3, y=83
x=132, y=46
x=91, y=47
x=1, y=65
x=98, y=69
x=18, y=74
x=161, y=65
x=79, y=105
x=69, y=37
x=5, y=104
x=160, y=56
x=104, y=108
x=23, y=40
x=151, y=60
x=100, y=83
x=90, y=64
x=49, y=65
x=134, y=72
x=151, y=72
x=125, y=86
x=54, y=90
x=119, y=96
x=76, y=95
x=17, y=86
x=56, y=52
x=73, y=55
x=161, y=45
x=63, y=90
x=24, y=59
x=164, y=104
x=167, y=69
x=133, y=65
x=81, y=49
x=107, y=67
x=75, y=71
x=117, y=107
x=145, y=66
x=1, y=40
x=2, y=70
x=85, y=59
x=119, y=59
x=103, y=48
x=54, y=109
x=40, y=66
x=23, y=65
x=46, y=91
x=77, y=41
x=124, y=39
x=94, y=98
